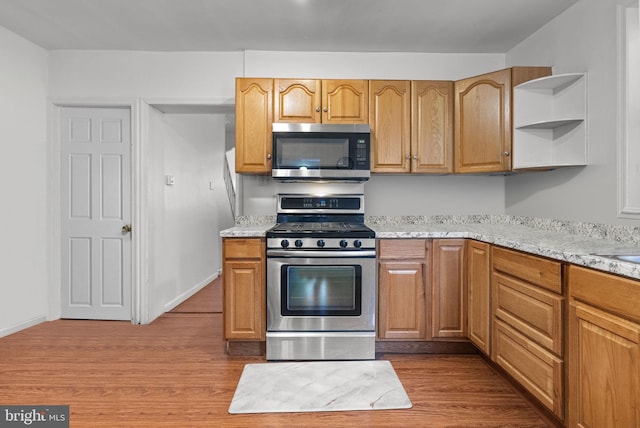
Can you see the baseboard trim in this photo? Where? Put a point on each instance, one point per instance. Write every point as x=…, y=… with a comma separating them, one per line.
x=22, y=325
x=421, y=347
x=193, y=290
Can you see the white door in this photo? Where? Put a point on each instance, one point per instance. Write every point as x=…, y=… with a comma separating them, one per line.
x=95, y=213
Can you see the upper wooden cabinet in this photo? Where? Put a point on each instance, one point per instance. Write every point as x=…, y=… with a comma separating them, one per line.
x=254, y=117
x=297, y=101
x=483, y=119
x=345, y=101
x=261, y=102
x=411, y=126
x=321, y=101
x=432, y=126
x=390, y=120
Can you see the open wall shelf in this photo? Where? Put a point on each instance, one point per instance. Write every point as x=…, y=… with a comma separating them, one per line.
x=549, y=117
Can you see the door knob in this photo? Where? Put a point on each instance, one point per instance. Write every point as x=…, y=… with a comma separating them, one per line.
x=126, y=228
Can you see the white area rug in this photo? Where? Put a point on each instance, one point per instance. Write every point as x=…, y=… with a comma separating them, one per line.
x=318, y=386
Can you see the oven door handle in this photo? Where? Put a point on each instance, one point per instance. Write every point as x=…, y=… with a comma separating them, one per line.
x=321, y=254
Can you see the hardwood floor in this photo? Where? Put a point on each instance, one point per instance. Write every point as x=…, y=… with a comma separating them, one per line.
x=175, y=373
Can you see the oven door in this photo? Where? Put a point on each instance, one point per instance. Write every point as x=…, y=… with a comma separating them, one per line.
x=321, y=290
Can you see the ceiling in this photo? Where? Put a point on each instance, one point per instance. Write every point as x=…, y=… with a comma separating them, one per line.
x=454, y=26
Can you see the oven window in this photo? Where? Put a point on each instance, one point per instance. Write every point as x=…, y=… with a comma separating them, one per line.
x=321, y=290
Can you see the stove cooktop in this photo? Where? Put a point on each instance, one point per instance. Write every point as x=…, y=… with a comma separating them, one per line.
x=321, y=229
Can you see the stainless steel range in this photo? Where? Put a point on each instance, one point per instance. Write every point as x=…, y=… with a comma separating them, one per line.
x=321, y=280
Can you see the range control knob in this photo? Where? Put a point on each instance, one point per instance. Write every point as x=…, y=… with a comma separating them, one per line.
x=321, y=243
x=284, y=243
x=357, y=243
x=344, y=243
x=298, y=243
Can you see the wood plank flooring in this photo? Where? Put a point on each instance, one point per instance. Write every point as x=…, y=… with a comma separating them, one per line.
x=174, y=373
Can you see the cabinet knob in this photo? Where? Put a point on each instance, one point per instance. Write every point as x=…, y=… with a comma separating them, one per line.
x=408, y=157
x=126, y=228
x=325, y=109
x=507, y=153
x=317, y=109
x=415, y=157
x=268, y=156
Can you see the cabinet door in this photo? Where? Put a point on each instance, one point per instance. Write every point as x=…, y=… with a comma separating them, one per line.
x=390, y=118
x=254, y=116
x=401, y=301
x=483, y=123
x=603, y=350
x=244, y=289
x=479, y=277
x=296, y=101
x=604, y=370
x=243, y=300
x=432, y=126
x=345, y=101
x=449, y=289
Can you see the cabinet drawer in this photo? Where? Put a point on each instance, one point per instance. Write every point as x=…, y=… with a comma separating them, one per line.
x=243, y=248
x=536, y=270
x=533, y=311
x=539, y=371
x=402, y=248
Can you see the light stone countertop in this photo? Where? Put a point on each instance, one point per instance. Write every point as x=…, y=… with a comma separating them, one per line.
x=534, y=236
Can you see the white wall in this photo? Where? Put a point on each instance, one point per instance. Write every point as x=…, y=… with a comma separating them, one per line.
x=583, y=38
x=207, y=76
x=386, y=195
x=24, y=263
x=186, y=218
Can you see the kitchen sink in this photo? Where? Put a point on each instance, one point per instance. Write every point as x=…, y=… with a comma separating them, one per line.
x=632, y=258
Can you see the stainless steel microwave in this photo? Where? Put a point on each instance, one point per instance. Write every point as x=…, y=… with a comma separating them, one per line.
x=308, y=151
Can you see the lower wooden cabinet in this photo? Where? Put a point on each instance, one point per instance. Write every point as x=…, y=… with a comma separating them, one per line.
x=527, y=333
x=244, y=290
x=402, y=289
x=422, y=289
x=604, y=350
x=478, y=282
x=534, y=367
x=448, y=289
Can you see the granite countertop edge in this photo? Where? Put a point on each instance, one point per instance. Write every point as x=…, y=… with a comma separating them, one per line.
x=576, y=243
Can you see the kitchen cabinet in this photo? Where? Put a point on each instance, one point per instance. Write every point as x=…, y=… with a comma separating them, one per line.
x=390, y=121
x=527, y=332
x=411, y=126
x=261, y=102
x=244, y=288
x=483, y=119
x=604, y=350
x=479, y=282
x=297, y=101
x=254, y=117
x=432, y=126
x=448, y=289
x=345, y=101
x=321, y=101
x=549, y=122
x=403, y=264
